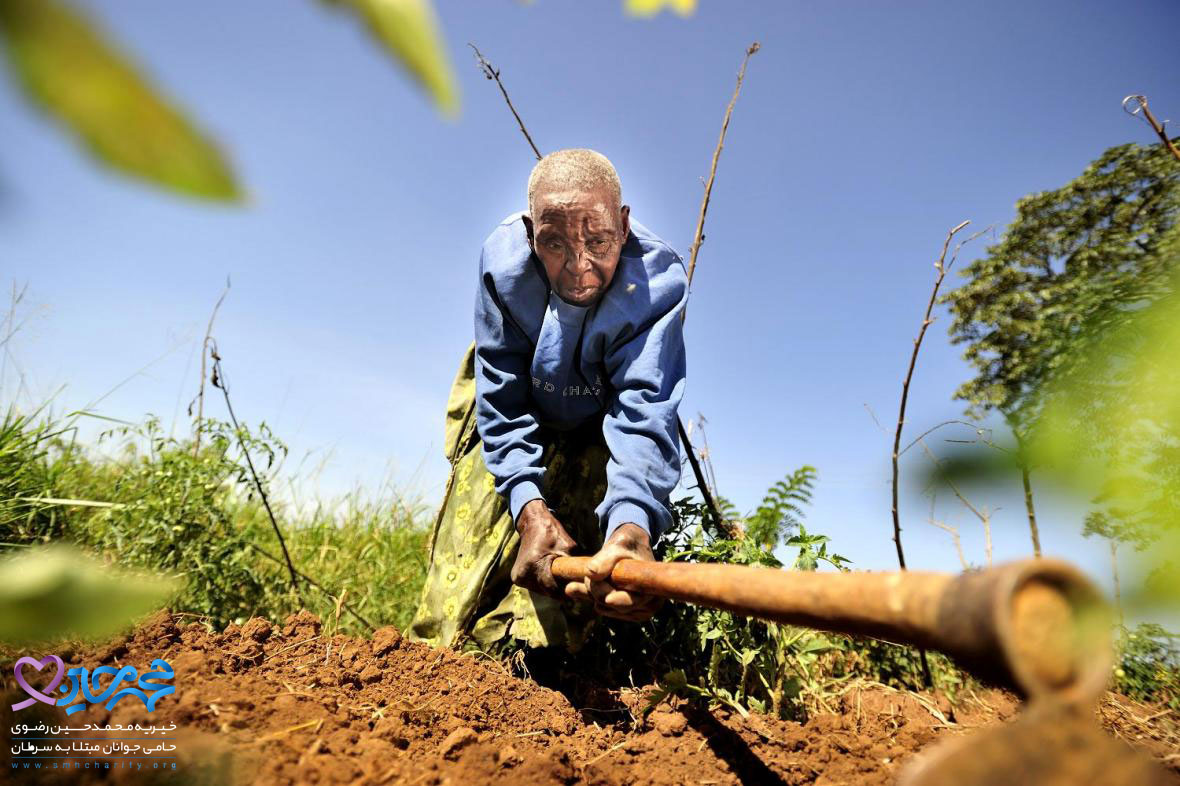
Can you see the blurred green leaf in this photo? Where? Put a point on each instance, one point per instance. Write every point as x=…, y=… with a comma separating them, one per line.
x=54, y=591
x=409, y=30
x=1111, y=428
x=647, y=8
x=64, y=64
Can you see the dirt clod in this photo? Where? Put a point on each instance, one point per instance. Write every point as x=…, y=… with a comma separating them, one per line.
x=456, y=741
x=385, y=640
x=669, y=724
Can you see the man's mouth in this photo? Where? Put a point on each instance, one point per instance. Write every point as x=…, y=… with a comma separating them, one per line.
x=581, y=293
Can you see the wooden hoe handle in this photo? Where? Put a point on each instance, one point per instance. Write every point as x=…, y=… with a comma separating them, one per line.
x=1038, y=626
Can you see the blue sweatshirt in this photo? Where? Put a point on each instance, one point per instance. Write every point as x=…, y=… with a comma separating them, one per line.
x=542, y=361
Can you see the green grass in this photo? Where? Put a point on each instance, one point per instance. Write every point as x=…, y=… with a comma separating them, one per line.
x=151, y=501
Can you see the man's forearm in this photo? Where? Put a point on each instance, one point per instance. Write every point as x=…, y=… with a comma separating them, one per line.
x=647, y=370
x=507, y=428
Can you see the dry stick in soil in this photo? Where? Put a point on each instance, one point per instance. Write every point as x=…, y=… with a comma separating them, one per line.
x=200, y=401
x=1156, y=126
x=942, y=268
x=219, y=383
x=493, y=73
x=699, y=237
x=694, y=250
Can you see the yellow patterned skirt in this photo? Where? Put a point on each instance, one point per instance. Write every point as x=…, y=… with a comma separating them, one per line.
x=468, y=598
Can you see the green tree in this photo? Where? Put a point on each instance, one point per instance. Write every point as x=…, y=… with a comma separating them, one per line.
x=1075, y=261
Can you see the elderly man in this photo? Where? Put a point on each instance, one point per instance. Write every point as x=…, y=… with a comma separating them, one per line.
x=562, y=424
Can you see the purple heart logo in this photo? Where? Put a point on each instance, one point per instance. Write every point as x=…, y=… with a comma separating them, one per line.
x=36, y=694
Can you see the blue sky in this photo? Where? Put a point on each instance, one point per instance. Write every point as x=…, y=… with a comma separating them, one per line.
x=865, y=130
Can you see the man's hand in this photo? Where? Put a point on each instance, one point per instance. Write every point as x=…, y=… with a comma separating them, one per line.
x=542, y=539
x=630, y=541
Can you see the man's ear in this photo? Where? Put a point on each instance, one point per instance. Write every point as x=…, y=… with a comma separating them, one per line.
x=625, y=220
x=528, y=230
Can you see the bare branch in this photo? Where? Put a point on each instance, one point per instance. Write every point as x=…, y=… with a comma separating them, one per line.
x=974, y=427
x=942, y=268
x=873, y=415
x=954, y=533
x=201, y=389
x=699, y=236
x=492, y=73
x=1156, y=126
x=318, y=586
x=219, y=382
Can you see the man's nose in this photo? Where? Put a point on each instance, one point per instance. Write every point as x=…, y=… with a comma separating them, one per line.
x=579, y=258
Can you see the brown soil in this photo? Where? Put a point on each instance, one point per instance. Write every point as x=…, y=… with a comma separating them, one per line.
x=289, y=704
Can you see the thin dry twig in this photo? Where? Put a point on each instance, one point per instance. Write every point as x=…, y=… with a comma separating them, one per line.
x=605, y=753
x=699, y=236
x=954, y=533
x=942, y=267
x=335, y=625
x=729, y=528
x=706, y=455
x=284, y=732
x=1156, y=126
x=984, y=516
x=292, y=646
x=200, y=401
x=492, y=73
x=973, y=426
x=219, y=383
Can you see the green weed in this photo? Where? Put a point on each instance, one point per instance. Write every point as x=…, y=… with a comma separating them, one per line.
x=152, y=501
x=1149, y=665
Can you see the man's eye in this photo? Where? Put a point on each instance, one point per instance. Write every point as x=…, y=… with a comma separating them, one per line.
x=553, y=245
x=597, y=244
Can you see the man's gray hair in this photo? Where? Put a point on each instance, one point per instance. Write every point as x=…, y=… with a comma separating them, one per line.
x=578, y=168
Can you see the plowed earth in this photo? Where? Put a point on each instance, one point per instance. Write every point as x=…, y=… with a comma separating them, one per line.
x=286, y=704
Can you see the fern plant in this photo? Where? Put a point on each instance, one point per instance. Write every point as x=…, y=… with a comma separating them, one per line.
x=781, y=511
x=734, y=661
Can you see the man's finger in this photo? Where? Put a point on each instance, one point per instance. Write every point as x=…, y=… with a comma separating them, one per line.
x=620, y=599
x=634, y=605
x=598, y=589
x=601, y=564
x=576, y=590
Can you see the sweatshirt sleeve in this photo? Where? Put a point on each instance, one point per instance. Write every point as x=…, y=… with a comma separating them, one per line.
x=507, y=427
x=646, y=366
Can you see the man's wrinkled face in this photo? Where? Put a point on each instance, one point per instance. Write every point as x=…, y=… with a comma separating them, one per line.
x=578, y=236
